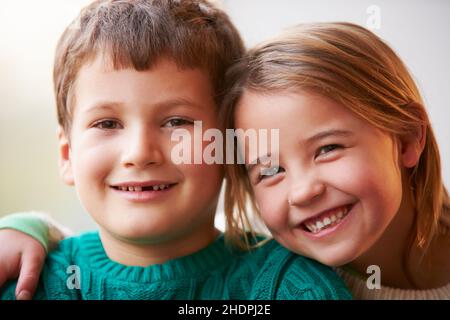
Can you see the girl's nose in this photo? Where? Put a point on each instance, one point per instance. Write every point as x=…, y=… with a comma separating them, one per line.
x=142, y=149
x=302, y=194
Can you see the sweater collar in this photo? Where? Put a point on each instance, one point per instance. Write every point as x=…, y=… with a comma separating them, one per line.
x=207, y=260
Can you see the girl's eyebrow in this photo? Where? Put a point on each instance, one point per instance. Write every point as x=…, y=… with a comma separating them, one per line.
x=327, y=133
x=316, y=137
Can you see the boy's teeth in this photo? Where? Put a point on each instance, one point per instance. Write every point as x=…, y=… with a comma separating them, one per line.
x=327, y=221
x=139, y=189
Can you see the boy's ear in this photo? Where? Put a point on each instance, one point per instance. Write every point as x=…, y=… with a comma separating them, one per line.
x=64, y=161
x=412, y=146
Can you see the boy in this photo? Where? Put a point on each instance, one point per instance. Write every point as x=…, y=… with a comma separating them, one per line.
x=126, y=75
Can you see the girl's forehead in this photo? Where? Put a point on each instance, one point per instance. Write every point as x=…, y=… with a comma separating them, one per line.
x=303, y=107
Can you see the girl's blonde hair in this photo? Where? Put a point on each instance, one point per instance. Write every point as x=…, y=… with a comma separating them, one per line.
x=354, y=67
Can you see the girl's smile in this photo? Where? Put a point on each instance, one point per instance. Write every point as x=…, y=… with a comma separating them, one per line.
x=326, y=221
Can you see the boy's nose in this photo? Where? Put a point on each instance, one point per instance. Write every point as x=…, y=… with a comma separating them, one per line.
x=143, y=149
x=306, y=192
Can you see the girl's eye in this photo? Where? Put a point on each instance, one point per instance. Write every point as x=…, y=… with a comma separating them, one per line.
x=270, y=172
x=326, y=149
x=177, y=122
x=107, y=124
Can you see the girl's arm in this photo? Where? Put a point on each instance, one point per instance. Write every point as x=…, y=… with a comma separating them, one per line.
x=25, y=240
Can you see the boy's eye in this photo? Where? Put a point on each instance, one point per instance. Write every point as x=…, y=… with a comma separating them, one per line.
x=177, y=122
x=326, y=149
x=107, y=124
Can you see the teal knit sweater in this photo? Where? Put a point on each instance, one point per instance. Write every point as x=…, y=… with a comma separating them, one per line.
x=215, y=272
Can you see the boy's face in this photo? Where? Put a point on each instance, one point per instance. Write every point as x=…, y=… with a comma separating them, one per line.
x=119, y=154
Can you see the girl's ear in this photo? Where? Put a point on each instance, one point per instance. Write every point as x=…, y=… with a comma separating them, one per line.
x=412, y=146
x=64, y=161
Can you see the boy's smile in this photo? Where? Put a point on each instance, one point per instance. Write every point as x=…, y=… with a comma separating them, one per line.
x=118, y=154
x=143, y=191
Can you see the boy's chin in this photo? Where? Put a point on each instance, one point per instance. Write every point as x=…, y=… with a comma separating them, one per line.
x=138, y=234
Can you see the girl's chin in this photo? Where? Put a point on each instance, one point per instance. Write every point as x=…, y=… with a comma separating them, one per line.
x=334, y=259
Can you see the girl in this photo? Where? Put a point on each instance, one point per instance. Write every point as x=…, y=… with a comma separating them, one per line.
x=358, y=183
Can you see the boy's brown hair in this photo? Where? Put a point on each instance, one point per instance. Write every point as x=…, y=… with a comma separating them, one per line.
x=136, y=33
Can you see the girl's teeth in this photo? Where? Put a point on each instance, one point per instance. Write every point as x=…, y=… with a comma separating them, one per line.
x=327, y=221
x=319, y=225
x=156, y=188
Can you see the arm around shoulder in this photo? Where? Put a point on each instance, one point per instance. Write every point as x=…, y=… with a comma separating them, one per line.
x=38, y=226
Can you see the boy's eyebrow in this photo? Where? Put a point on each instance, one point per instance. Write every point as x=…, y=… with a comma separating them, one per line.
x=178, y=102
x=103, y=105
x=172, y=103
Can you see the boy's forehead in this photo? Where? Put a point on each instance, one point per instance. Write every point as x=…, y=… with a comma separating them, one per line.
x=164, y=67
x=164, y=82
x=104, y=61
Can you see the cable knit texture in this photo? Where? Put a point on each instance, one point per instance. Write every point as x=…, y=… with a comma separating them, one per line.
x=215, y=272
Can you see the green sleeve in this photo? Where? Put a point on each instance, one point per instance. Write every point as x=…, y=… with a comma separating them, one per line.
x=30, y=223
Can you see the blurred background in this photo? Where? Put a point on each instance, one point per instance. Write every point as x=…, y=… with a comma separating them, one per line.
x=29, y=30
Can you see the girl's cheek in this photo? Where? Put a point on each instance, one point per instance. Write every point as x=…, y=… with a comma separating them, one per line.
x=347, y=174
x=271, y=207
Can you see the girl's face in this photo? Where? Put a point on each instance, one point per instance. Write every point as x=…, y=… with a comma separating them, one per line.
x=338, y=183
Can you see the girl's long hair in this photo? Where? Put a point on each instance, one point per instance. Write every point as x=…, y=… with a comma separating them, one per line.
x=354, y=67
